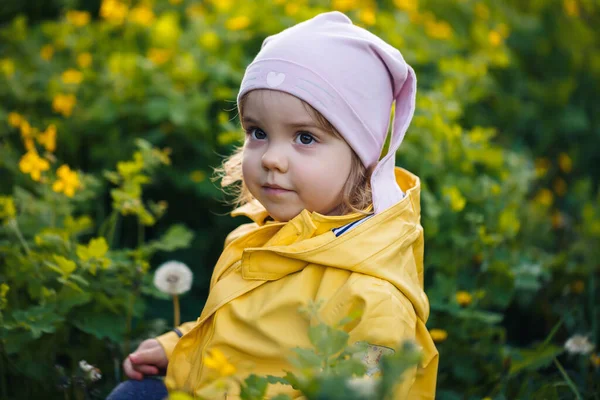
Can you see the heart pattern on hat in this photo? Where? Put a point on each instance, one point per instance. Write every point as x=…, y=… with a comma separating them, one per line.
x=275, y=79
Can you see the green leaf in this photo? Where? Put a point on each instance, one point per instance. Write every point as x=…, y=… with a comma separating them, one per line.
x=534, y=359
x=328, y=341
x=306, y=358
x=38, y=319
x=276, y=379
x=177, y=237
x=350, y=367
x=101, y=325
x=157, y=109
x=281, y=397
x=254, y=388
x=68, y=298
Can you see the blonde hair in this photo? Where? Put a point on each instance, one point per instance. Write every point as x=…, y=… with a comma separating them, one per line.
x=356, y=193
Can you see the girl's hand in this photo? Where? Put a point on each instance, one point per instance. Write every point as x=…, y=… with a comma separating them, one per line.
x=148, y=359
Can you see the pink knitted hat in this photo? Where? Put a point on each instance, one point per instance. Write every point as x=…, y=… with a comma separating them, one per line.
x=351, y=77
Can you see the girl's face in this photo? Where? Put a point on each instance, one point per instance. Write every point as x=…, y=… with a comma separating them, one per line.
x=289, y=163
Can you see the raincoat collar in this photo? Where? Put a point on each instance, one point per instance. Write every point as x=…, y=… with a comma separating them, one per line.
x=308, y=239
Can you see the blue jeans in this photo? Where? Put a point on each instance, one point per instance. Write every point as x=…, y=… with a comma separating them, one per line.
x=146, y=389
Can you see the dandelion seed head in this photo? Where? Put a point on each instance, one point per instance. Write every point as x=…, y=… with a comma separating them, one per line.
x=173, y=277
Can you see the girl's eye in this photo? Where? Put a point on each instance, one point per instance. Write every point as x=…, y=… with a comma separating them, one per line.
x=305, y=138
x=257, y=133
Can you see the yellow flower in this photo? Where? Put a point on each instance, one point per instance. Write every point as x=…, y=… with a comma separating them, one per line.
x=84, y=60
x=78, y=18
x=482, y=11
x=407, y=5
x=438, y=335
x=72, y=77
x=197, y=176
x=178, y=395
x=14, y=119
x=237, y=23
x=113, y=11
x=217, y=361
x=438, y=29
x=95, y=250
x=565, y=163
x=495, y=38
x=209, y=40
x=31, y=163
x=343, y=5
x=367, y=16
x=29, y=145
x=25, y=129
x=166, y=31
x=291, y=9
x=142, y=15
x=457, y=201
x=595, y=359
x=48, y=138
x=159, y=56
x=7, y=66
x=542, y=165
x=65, y=266
x=571, y=8
x=7, y=207
x=222, y=6
x=67, y=182
x=223, y=117
x=47, y=52
x=64, y=103
x=463, y=298
x=560, y=187
x=544, y=197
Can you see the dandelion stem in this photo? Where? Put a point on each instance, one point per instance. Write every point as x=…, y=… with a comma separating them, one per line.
x=13, y=224
x=176, y=310
x=567, y=379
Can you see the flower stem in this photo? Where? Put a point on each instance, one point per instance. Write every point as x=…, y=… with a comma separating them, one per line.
x=13, y=224
x=128, y=322
x=176, y=310
x=567, y=379
x=114, y=219
x=140, y=233
x=3, y=372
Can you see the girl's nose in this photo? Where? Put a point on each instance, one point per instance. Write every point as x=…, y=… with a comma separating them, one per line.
x=274, y=159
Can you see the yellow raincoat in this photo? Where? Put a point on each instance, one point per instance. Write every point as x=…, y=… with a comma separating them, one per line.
x=269, y=270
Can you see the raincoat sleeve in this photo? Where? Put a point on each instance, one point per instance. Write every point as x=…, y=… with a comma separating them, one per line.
x=388, y=319
x=170, y=339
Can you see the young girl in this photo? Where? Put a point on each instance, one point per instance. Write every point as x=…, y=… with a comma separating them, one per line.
x=331, y=221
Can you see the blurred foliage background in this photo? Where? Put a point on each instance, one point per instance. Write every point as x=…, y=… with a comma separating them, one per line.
x=113, y=114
